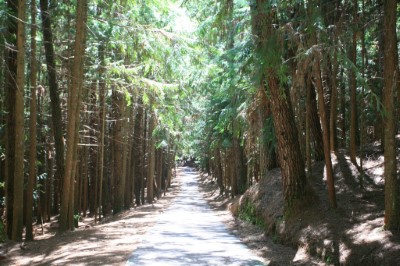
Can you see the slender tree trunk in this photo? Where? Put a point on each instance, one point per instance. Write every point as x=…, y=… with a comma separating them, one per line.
x=353, y=93
x=353, y=105
x=392, y=211
x=151, y=163
x=118, y=110
x=219, y=172
x=333, y=115
x=308, y=127
x=19, y=127
x=10, y=89
x=138, y=153
x=362, y=105
x=54, y=96
x=66, y=213
x=315, y=125
x=324, y=122
x=32, y=128
x=145, y=157
x=102, y=119
x=342, y=117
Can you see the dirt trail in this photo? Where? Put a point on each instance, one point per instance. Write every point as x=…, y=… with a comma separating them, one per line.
x=179, y=228
x=189, y=233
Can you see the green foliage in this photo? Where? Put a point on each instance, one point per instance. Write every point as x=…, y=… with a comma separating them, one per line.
x=76, y=220
x=248, y=213
x=3, y=233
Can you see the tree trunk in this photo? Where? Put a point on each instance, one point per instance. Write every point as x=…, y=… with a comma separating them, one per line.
x=308, y=126
x=392, y=212
x=10, y=89
x=54, y=96
x=66, y=211
x=324, y=122
x=290, y=158
x=315, y=125
x=137, y=152
x=118, y=139
x=342, y=116
x=32, y=128
x=102, y=119
x=353, y=104
x=151, y=162
x=333, y=115
x=218, y=171
x=19, y=127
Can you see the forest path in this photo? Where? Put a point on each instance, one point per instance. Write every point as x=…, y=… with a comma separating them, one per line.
x=189, y=233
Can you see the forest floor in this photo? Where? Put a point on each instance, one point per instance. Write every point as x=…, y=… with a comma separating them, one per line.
x=351, y=234
x=109, y=242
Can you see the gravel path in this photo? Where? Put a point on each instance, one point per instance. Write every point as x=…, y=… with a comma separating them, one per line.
x=189, y=233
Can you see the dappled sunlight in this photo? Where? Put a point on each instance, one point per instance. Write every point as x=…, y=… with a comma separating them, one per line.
x=374, y=226
x=190, y=233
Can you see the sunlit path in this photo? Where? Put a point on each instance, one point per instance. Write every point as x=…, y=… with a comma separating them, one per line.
x=188, y=233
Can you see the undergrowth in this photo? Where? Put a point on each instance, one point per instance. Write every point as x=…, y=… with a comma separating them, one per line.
x=248, y=213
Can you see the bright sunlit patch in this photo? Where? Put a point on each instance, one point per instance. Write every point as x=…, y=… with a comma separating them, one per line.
x=182, y=23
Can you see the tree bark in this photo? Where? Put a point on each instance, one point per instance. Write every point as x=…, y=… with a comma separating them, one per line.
x=392, y=212
x=151, y=162
x=325, y=129
x=66, y=211
x=32, y=128
x=54, y=96
x=118, y=139
x=353, y=105
x=10, y=89
x=137, y=152
x=289, y=153
x=333, y=115
x=19, y=127
x=315, y=122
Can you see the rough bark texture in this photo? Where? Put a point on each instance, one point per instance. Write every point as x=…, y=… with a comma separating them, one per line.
x=392, y=212
x=315, y=123
x=10, y=85
x=66, y=211
x=151, y=161
x=289, y=153
x=54, y=95
x=32, y=128
x=19, y=127
x=137, y=153
x=117, y=109
x=353, y=104
x=327, y=152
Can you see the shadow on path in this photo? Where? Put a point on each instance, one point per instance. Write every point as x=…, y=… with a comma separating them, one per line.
x=189, y=233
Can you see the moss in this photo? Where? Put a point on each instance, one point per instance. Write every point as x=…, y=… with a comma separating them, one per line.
x=248, y=213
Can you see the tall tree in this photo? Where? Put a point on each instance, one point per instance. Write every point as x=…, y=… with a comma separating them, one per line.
x=66, y=211
x=19, y=127
x=325, y=129
x=137, y=151
x=32, y=127
x=118, y=151
x=54, y=94
x=353, y=88
x=289, y=153
x=392, y=211
x=10, y=89
x=151, y=160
